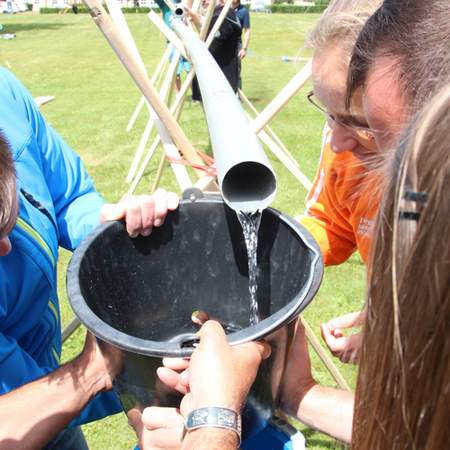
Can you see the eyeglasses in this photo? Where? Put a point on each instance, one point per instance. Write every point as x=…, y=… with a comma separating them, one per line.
x=365, y=135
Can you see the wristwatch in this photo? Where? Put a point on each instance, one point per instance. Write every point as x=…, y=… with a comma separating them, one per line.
x=214, y=417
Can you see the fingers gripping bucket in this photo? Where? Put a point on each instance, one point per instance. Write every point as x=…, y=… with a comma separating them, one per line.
x=139, y=294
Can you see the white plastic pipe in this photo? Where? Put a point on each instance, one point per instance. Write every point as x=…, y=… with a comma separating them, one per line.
x=246, y=178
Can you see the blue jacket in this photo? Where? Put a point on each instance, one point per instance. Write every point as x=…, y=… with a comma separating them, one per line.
x=58, y=206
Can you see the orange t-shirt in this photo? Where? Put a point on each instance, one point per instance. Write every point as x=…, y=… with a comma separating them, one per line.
x=342, y=205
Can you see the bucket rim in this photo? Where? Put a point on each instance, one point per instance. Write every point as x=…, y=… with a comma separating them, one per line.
x=148, y=347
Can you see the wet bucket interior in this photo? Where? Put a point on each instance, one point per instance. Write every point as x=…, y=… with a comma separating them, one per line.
x=140, y=293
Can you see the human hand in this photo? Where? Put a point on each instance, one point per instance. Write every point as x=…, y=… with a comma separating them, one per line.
x=242, y=53
x=101, y=362
x=141, y=212
x=174, y=374
x=220, y=374
x=157, y=428
x=346, y=348
x=193, y=16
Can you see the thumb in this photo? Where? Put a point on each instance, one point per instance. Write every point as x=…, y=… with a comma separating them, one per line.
x=251, y=351
x=112, y=211
x=263, y=349
x=345, y=321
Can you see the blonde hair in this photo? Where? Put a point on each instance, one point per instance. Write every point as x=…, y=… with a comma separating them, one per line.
x=341, y=23
x=403, y=390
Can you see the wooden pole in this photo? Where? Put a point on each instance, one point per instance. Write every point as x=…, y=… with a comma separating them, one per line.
x=283, y=97
x=109, y=30
x=207, y=20
x=167, y=32
x=144, y=164
x=293, y=168
x=119, y=20
x=70, y=329
x=329, y=364
x=164, y=94
x=180, y=172
x=217, y=24
x=159, y=172
x=177, y=105
x=276, y=150
x=159, y=69
x=267, y=129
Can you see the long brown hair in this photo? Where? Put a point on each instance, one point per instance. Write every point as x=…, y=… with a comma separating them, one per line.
x=8, y=201
x=403, y=390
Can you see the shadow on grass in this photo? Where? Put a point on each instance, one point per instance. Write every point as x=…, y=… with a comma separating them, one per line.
x=20, y=27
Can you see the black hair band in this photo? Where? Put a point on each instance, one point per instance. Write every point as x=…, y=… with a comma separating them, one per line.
x=409, y=215
x=419, y=197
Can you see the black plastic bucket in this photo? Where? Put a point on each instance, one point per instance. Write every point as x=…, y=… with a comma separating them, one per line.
x=139, y=294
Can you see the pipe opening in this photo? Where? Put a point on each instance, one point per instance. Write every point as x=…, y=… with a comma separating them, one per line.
x=179, y=12
x=249, y=182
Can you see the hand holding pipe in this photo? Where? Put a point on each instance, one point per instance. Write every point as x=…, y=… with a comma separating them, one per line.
x=246, y=179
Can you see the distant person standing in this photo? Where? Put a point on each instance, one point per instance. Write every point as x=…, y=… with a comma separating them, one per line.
x=243, y=16
x=224, y=46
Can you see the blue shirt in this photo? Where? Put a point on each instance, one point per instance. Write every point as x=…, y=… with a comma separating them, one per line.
x=243, y=16
x=58, y=206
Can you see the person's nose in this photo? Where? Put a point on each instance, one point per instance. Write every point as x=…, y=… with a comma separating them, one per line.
x=5, y=246
x=341, y=139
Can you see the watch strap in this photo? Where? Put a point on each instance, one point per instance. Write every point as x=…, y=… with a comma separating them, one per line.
x=215, y=417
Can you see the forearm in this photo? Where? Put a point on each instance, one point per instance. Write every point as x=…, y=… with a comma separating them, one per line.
x=33, y=414
x=210, y=439
x=325, y=409
x=246, y=39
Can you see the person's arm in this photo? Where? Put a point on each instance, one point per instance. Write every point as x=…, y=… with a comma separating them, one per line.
x=32, y=415
x=75, y=203
x=345, y=347
x=210, y=439
x=194, y=17
x=77, y=206
x=245, y=42
x=246, y=34
x=325, y=218
x=325, y=409
x=218, y=376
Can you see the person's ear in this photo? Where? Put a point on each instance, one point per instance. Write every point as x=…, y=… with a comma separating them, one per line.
x=5, y=246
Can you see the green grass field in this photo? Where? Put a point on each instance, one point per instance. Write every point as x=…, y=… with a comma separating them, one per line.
x=66, y=56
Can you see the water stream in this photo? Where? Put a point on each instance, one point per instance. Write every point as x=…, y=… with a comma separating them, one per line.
x=250, y=226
